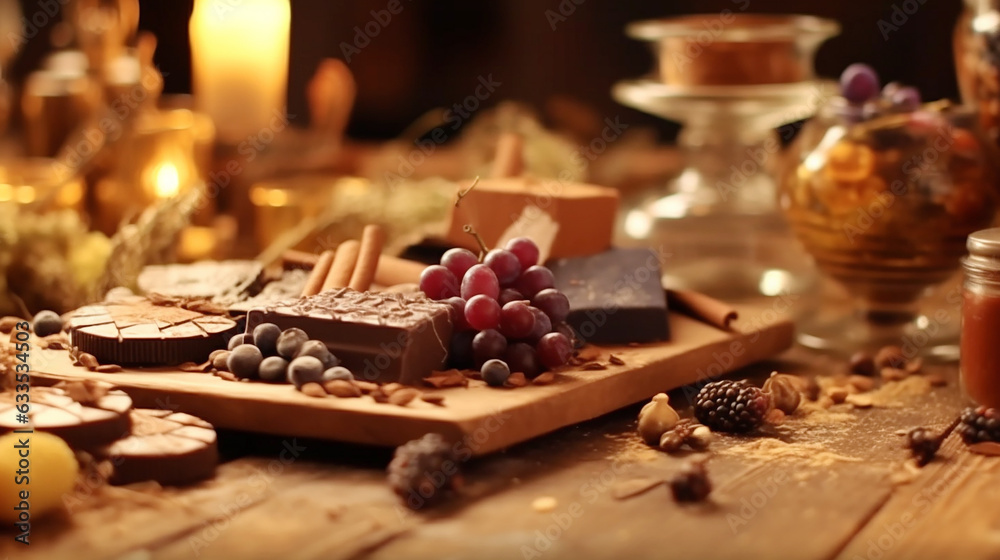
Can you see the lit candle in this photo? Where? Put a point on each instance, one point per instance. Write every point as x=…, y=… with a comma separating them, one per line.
x=240, y=63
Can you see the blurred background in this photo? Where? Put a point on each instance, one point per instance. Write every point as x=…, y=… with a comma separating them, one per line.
x=432, y=53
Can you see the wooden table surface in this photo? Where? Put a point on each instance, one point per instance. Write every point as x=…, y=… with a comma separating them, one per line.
x=825, y=484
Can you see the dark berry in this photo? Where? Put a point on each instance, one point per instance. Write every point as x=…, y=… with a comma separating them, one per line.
x=240, y=339
x=691, y=483
x=47, y=323
x=337, y=372
x=244, y=361
x=318, y=350
x=495, y=373
x=274, y=369
x=731, y=406
x=290, y=341
x=307, y=369
x=979, y=424
x=265, y=337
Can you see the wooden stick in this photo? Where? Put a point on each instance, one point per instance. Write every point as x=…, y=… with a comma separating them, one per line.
x=394, y=270
x=343, y=266
x=710, y=310
x=509, y=158
x=372, y=240
x=318, y=275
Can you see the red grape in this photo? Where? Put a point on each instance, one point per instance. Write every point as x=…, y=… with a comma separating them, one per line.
x=459, y=261
x=569, y=333
x=534, y=280
x=554, y=303
x=554, y=350
x=488, y=345
x=525, y=250
x=457, y=313
x=438, y=282
x=504, y=264
x=516, y=320
x=508, y=295
x=543, y=325
x=460, y=350
x=480, y=279
x=482, y=312
x=522, y=357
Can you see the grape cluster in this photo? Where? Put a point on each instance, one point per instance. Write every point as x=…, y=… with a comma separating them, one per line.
x=270, y=354
x=504, y=308
x=861, y=87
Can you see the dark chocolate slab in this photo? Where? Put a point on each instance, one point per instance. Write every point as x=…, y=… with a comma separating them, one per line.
x=378, y=336
x=615, y=297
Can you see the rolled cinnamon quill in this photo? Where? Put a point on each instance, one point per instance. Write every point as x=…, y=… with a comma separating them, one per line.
x=372, y=240
x=344, y=263
x=318, y=275
x=704, y=308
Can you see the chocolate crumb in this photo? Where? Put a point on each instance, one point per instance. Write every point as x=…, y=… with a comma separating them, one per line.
x=389, y=388
x=366, y=387
x=108, y=368
x=86, y=392
x=615, y=360
x=88, y=361
x=379, y=396
x=192, y=367
x=433, y=399
x=228, y=376
x=593, y=366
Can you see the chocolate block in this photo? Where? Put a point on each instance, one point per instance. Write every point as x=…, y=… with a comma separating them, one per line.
x=615, y=297
x=378, y=336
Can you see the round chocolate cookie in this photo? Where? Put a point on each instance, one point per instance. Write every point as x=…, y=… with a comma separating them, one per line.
x=101, y=420
x=168, y=447
x=137, y=332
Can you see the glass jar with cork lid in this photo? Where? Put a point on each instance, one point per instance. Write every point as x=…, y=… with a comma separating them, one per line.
x=979, y=365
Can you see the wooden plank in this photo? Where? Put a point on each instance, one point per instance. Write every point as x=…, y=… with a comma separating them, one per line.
x=500, y=418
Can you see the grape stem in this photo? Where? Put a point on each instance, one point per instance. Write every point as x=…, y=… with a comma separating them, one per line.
x=461, y=193
x=467, y=228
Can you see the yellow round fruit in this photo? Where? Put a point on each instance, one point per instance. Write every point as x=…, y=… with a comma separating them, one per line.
x=40, y=464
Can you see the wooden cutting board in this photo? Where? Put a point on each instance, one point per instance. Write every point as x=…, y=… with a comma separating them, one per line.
x=487, y=419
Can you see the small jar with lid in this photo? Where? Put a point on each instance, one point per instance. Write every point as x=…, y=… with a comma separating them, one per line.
x=980, y=346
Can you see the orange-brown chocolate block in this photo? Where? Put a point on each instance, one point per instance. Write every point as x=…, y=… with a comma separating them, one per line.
x=585, y=213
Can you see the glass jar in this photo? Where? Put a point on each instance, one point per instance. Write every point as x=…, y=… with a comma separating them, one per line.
x=977, y=61
x=884, y=205
x=980, y=359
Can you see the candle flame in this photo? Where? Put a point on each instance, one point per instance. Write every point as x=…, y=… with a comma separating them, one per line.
x=168, y=181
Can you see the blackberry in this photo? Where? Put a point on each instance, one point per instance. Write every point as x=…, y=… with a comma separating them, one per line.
x=731, y=406
x=923, y=445
x=980, y=424
x=423, y=470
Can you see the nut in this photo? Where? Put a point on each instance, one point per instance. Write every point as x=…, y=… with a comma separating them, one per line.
x=342, y=388
x=861, y=383
x=890, y=356
x=88, y=361
x=701, y=437
x=403, y=396
x=656, y=418
x=861, y=401
x=389, y=388
x=812, y=389
x=220, y=360
x=783, y=390
x=838, y=394
x=862, y=363
x=313, y=390
x=108, y=368
x=366, y=386
x=893, y=374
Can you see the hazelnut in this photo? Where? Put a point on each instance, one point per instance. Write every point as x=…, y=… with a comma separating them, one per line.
x=701, y=437
x=656, y=418
x=838, y=394
x=784, y=392
x=862, y=363
x=890, y=356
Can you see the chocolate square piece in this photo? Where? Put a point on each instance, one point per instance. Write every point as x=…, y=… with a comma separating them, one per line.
x=615, y=297
x=378, y=336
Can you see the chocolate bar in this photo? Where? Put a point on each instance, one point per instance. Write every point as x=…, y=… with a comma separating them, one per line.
x=615, y=297
x=134, y=331
x=378, y=336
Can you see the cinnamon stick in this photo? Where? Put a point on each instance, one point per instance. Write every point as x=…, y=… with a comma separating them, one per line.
x=704, y=308
x=344, y=263
x=318, y=275
x=372, y=240
x=394, y=270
